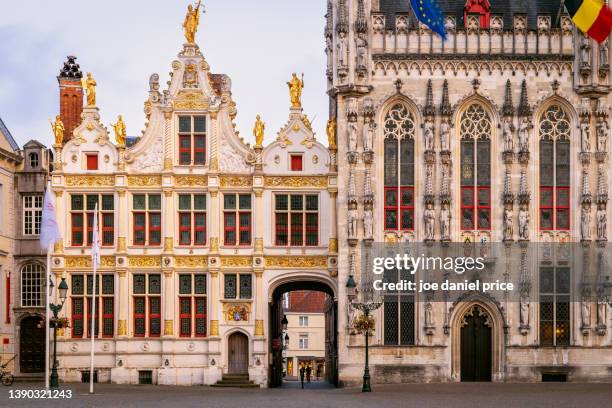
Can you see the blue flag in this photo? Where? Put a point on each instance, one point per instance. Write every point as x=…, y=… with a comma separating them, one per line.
x=428, y=12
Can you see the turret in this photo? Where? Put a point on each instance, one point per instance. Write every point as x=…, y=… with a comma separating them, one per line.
x=71, y=95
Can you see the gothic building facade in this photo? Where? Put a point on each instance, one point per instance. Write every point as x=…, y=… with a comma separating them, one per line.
x=498, y=134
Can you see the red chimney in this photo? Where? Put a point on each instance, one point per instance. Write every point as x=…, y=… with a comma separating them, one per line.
x=71, y=96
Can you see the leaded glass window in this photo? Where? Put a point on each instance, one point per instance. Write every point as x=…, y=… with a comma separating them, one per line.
x=192, y=305
x=398, y=311
x=555, y=306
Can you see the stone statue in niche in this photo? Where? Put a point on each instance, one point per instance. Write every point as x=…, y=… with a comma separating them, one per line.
x=352, y=223
x=585, y=222
x=445, y=222
x=368, y=135
x=445, y=188
x=523, y=223
x=445, y=135
x=362, y=50
x=351, y=316
x=342, y=50
x=429, y=217
x=429, y=315
x=428, y=132
x=329, y=50
x=523, y=134
x=602, y=223
x=602, y=305
x=602, y=135
x=603, y=54
x=368, y=224
x=585, y=137
x=352, y=135
x=585, y=52
x=508, y=227
x=507, y=134
x=524, y=312
x=585, y=313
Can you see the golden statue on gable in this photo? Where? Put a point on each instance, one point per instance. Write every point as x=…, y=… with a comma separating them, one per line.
x=331, y=133
x=120, y=132
x=89, y=85
x=258, y=131
x=295, y=90
x=58, y=130
x=192, y=20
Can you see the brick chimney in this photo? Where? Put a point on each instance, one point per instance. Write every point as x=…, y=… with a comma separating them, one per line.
x=71, y=95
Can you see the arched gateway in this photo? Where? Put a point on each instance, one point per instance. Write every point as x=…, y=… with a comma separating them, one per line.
x=276, y=313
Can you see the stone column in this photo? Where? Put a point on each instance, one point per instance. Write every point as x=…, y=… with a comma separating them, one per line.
x=214, y=302
x=122, y=212
x=122, y=295
x=169, y=219
x=168, y=301
x=123, y=298
x=260, y=302
x=333, y=232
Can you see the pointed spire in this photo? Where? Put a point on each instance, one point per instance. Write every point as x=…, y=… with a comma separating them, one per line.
x=508, y=196
x=524, y=109
x=342, y=23
x=508, y=108
x=430, y=109
x=361, y=24
x=524, y=195
x=429, y=180
x=586, y=187
x=602, y=186
x=367, y=189
x=352, y=188
x=329, y=26
x=445, y=107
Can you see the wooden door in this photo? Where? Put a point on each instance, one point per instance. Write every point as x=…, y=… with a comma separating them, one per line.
x=238, y=351
x=476, y=349
x=32, y=345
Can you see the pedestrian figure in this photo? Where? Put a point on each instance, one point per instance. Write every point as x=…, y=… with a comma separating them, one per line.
x=302, y=372
x=308, y=372
x=318, y=371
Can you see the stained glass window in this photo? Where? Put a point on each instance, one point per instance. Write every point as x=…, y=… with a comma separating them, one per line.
x=555, y=306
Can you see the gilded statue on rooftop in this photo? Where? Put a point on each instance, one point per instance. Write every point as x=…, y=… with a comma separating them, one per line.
x=258, y=131
x=331, y=133
x=192, y=20
x=295, y=90
x=120, y=132
x=58, y=130
x=89, y=85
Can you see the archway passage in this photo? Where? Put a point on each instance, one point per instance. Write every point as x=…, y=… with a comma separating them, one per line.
x=305, y=333
x=238, y=352
x=32, y=345
x=476, y=346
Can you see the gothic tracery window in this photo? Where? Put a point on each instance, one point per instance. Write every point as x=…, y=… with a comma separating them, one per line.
x=475, y=133
x=554, y=128
x=399, y=132
x=479, y=8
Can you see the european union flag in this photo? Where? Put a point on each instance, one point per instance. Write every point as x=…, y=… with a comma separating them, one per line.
x=428, y=12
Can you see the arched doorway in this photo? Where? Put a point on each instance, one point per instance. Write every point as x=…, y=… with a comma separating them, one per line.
x=238, y=353
x=276, y=314
x=32, y=345
x=476, y=345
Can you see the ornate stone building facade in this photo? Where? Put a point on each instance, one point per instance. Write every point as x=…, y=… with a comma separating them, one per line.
x=498, y=134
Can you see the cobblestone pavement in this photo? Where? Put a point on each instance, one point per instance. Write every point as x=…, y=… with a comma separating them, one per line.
x=557, y=395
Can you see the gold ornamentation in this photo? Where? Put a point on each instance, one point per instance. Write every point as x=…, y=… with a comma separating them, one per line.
x=258, y=131
x=214, y=164
x=333, y=245
x=236, y=181
x=295, y=90
x=120, y=132
x=121, y=328
x=167, y=163
x=144, y=181
x=121, y=245
x=89, y=85
x=58, y=130
x=90, y=181
x=236, y=261
x=306, y=122
x=214, y=327
x=192, y=20
x=168, y=244
x=168, y=327
x=259, y=244
x=296, y=261
x=191, y=100
x=293, y=181
x=191, y=261
x=191, y=181
x=214, y=244
x=144, y=261
x=73, y=262
x=259, y=327
x=331, y=134
x=237, y=312
x=58, y=247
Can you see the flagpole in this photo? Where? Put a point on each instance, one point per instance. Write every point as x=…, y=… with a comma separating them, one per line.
x=47, y=325
x=94, y=263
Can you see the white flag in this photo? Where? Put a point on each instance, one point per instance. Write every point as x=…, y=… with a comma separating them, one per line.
x=95, y=244
x=49, y=231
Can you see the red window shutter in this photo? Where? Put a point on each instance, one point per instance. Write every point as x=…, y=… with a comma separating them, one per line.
x=230, y=228
x=77, y=229
x=296, y=162
x=139, y=228
x=200, y=229
x=92, y=161
x=184, y=149
x=245, y=228
x=154, y=228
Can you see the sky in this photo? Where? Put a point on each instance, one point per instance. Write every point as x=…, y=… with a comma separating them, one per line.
x=257, y=43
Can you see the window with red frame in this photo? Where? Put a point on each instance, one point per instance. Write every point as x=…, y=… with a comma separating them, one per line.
x=399, y=133
x=92, y=161
x=475, y=169
x=296, y=219
x=479, y=8
x=82, y=208
x=146, y=219
x=237, y=210
x=192, y=140
x=105, y=310
x=554, y=129
x=192, y=219
x=296, y=162
x=146, y=292
x=192, y=305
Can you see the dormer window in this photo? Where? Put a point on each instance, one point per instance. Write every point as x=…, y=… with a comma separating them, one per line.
x=91, y=161
x=192, y=140
x=481, y=8
x=296, y=162
x=33, y=157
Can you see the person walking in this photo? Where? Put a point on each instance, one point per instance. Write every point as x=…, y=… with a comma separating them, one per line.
x=308, y=372
x=302, y=372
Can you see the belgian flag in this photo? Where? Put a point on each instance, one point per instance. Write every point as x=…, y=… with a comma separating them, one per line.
x=592, y=17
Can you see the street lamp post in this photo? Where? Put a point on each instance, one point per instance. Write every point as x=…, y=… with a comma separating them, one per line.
x=366, y=308
x=55, y=309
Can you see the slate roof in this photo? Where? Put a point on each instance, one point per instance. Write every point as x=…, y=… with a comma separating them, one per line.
x=501, y=7
x=4, y=130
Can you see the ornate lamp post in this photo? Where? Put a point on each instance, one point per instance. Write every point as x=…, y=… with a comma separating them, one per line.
x=55, y=309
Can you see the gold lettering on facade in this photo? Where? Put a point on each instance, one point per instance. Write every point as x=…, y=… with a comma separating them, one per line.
x=191, y=100
x=168, y=327
x=259, y=327
x=214, y=327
